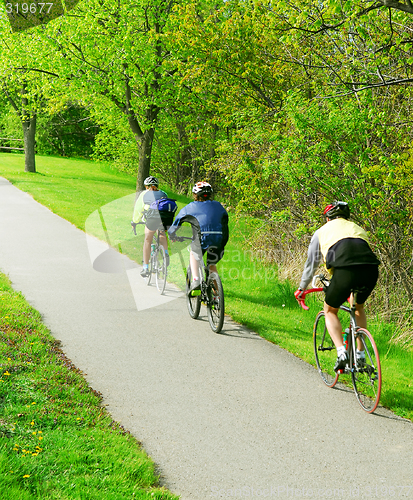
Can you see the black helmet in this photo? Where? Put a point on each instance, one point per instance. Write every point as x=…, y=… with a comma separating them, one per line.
x=337, y=209
x=151, y=181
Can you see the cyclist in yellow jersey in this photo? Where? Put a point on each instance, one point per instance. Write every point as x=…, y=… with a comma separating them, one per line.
x=142, y=213
x=343, y=245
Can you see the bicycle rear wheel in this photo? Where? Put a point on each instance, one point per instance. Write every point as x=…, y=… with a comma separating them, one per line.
x=160, y=269
x=215, y=302
x=366, y=376
x=325, y=351
x=193, y=298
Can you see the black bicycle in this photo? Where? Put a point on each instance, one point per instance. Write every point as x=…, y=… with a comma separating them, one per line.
x=210, y=292
x=365, y=372
x=157, y=261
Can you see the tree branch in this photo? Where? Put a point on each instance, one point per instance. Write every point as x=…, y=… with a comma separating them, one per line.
x=38, y=70
x=395, y=4
x=12, y=102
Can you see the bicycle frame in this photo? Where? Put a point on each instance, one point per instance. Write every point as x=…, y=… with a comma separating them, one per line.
x=211, y=293
x=155, y=266
x=365, y=372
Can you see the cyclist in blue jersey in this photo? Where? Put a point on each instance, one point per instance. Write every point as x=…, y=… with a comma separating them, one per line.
x=152, y=219
x=343, y=245
x=209, y=221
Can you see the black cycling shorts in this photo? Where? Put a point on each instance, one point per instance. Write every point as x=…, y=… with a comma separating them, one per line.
x=214, y=253
x=362, y=277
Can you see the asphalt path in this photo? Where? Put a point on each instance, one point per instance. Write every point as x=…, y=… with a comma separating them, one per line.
x=223, y=416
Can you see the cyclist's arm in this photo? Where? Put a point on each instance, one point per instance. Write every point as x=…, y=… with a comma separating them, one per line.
x=182, y=217
x=176, y=223
x=139, y=209
x=314, y=257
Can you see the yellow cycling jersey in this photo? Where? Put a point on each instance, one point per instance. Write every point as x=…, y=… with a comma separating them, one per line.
x=336, y=230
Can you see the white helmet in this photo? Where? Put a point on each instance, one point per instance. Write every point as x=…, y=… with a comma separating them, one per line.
x=151, y=181
x=202, y=188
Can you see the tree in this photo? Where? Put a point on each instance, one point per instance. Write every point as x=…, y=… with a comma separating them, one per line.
x=349, y=46
x=127, y=73
x=24, y=83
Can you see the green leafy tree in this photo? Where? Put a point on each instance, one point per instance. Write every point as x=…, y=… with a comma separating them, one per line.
x=113, y=54
x=24, y=83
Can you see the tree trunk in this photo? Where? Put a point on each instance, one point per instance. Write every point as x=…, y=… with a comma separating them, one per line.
x=145, y=152
x=29, y=134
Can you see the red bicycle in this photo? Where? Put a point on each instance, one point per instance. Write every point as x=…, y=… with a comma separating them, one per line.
x=365, y=372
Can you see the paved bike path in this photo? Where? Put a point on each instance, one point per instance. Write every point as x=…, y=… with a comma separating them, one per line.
x=223, y=416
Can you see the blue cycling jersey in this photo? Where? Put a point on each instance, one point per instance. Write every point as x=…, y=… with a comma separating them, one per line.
x=209, y=218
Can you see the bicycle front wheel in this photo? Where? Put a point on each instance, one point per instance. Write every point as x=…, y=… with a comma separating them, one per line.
x=366, y=374
x=215, y=302
x=325, y=351
x=193, y=298
x=160, y=269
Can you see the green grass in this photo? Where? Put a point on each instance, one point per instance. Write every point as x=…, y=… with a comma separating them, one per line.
x=76, y=189
x=71, y=188
x=56, y=440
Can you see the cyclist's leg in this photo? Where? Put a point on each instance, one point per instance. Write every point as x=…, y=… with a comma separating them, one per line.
x=195, y=259
x=166, y=224
x=333, y=324
x=147, y=245
x=367, y=279
x=361, y=318
x=337, y=292
x=162, y=239
x=214, y=255
x=194, y=266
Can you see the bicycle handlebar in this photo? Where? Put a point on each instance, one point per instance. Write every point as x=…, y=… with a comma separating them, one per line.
x=324, y=280
x=301, y=299
x=134, y=224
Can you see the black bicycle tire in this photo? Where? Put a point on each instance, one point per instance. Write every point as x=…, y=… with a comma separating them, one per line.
x=160, y=269
x=193, y=300
x=325, y=360
x=215, y=309
x=367, y=381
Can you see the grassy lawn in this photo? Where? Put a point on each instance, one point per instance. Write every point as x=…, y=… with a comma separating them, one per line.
x=86, y=194
x=56, y=440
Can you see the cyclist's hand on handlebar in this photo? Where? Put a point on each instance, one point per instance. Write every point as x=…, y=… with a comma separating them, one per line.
x=299, y=294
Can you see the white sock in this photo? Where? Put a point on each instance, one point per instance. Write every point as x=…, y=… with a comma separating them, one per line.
x=341, y=350
x=360, y=354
